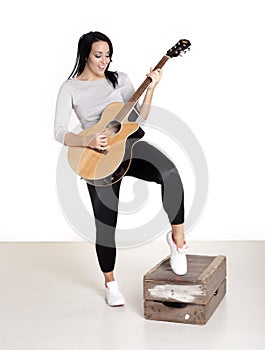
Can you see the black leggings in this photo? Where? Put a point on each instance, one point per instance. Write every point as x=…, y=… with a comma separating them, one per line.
x=149, y=164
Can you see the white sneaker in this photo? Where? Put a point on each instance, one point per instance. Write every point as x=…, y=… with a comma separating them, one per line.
x=113, y=295
x=178, y=259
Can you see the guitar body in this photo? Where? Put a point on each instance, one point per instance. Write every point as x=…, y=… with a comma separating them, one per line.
x=104, y=168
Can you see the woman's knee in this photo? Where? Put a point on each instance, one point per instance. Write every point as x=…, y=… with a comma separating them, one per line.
x=171, y=177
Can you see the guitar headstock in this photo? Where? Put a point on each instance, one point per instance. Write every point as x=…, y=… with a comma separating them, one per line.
x=182, y=46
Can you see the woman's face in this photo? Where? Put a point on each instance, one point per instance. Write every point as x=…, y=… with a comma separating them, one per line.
x=99, y=58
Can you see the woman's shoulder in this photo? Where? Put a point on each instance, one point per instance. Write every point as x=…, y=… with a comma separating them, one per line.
x=66, y=84
x=70, y=85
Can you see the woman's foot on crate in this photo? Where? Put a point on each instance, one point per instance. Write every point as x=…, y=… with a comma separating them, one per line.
x=178, y=259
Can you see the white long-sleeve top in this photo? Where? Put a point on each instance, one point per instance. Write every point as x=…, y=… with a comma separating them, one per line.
x=88, y=99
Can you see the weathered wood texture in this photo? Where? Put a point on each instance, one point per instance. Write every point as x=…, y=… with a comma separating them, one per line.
x=187, y=299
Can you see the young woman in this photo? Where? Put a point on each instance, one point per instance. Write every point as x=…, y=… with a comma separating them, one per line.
x=89, y=89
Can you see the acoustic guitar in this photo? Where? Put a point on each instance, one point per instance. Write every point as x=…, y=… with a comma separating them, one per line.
x=103, y=168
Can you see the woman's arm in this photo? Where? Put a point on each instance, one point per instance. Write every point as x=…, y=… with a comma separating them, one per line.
x=155, y=76
x=98, y=141
x=72, y=139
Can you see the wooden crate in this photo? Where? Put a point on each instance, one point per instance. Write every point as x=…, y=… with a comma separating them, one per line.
x=191, y=298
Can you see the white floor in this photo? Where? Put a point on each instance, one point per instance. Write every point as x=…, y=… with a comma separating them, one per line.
x=52, y=297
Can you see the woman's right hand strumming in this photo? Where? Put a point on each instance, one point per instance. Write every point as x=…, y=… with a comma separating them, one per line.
x=100, y=141
x=97, y=141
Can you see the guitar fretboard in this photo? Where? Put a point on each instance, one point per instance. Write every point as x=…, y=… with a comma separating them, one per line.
x=138, y=93
x=128, y=107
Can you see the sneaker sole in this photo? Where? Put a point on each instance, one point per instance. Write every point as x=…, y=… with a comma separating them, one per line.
x=114, y=305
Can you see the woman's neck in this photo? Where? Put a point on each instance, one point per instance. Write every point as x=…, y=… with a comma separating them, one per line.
x=90, y=76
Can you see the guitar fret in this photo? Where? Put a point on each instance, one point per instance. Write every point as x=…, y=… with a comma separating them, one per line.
x=135, y=97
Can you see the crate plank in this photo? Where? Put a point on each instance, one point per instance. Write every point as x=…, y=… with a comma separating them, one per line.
x=180, y=313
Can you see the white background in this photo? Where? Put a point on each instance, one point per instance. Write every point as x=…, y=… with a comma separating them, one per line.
x=217, y=90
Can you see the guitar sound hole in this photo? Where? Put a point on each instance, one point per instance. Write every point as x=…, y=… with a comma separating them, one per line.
x=113, y=127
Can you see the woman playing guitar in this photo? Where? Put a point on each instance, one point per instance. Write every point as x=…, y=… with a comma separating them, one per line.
x=89, y=89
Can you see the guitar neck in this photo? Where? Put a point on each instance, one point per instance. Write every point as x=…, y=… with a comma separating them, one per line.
x=138, y=93
x=181, y=47
x=128, y=107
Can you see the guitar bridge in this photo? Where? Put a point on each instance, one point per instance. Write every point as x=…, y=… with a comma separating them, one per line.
x=101, y=151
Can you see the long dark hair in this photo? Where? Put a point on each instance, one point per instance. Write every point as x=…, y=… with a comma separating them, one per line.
x=83, y=50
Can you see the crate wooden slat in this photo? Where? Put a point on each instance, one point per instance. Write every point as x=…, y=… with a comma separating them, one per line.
x=191, y=298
